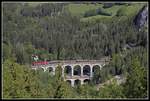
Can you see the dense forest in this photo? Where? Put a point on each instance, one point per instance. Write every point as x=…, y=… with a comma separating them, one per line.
x=60, y=31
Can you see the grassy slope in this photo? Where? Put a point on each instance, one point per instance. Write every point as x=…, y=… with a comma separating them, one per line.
x=80, y=9
x=132, y=9
x=113, y=9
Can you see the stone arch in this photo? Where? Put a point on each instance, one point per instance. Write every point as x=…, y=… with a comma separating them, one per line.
x=77, y=70
x=86, y=70
x=50, y=69
x=77, y=82
x=86, y=81
x=68, y=70
x=68, y=81
x=96, y=67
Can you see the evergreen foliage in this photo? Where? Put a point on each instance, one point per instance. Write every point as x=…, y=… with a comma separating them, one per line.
x=51, y=32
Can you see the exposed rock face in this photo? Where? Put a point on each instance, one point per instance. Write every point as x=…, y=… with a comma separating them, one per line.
x=141, y=18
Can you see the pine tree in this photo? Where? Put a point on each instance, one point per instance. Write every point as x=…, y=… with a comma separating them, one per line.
x=136, y=83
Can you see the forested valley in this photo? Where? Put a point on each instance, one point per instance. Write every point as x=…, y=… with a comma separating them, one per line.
x=74, y=31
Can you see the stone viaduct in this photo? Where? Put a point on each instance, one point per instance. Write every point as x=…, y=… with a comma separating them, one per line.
x=74, y=71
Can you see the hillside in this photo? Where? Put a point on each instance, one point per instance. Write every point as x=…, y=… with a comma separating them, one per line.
x=114, y=10
x=35, y=34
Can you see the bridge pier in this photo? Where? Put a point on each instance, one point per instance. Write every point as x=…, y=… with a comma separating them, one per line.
x=72, y=83
x=91, y=71
x=72, y=71
x=54, y=70
x=81, y=71
x=63, y=68
x=82, y=81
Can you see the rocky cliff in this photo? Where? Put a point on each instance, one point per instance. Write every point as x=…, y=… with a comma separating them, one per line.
x=141, y=18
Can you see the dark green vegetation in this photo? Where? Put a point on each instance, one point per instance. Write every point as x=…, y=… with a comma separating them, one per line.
x=55, y=32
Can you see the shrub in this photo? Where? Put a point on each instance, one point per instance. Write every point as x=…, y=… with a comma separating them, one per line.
x=102, y=12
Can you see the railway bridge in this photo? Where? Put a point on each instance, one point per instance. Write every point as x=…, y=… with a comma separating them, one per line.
x=73, y=71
